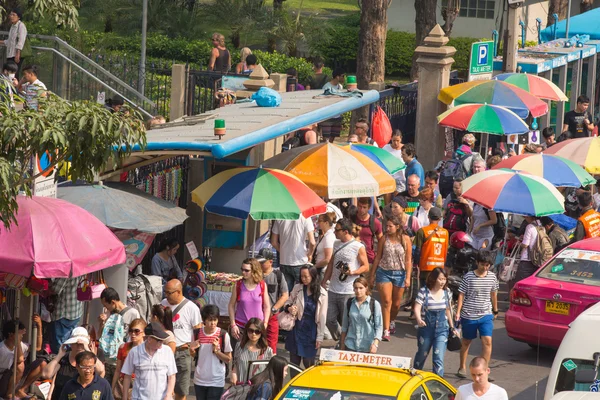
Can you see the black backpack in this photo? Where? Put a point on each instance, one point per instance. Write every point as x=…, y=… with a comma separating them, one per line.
x=453, y=169
x=297, y=140
x=499, y=226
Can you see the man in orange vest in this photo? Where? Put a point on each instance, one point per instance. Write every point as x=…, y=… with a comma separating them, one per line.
x=588, y=224
x=432, y=240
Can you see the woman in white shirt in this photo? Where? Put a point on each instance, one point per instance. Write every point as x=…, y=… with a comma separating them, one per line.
x=425, y=203
x=324, y=248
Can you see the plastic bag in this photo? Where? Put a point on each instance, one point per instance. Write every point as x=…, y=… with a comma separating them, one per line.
x=266, y=97
x=381, y=127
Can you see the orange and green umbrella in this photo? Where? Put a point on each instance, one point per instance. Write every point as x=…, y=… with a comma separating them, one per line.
x=483, y=118
x=535, y=85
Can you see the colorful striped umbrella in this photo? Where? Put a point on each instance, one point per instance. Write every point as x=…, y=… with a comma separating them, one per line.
x=582, y=151
x=261, y=193
x=497, y=93
x=557, y=170
x=381, y=157
x=513, y=192
x=334, y=171
x=483, y=118
x=536, y=85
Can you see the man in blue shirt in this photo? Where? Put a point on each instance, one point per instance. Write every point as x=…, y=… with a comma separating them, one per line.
x=413, y=167
x=87, y=384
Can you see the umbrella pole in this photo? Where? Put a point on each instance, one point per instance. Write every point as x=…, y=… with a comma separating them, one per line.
x=254, y=239
x=17, y=341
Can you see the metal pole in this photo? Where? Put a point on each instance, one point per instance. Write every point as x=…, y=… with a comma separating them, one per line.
x=568, y=20
x=142, y=69
x=17, y=342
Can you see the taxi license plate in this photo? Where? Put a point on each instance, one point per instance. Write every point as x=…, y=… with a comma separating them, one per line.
x=556, y=307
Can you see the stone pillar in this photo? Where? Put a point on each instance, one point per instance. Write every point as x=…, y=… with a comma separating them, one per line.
x=178, y=82
x=434, y=63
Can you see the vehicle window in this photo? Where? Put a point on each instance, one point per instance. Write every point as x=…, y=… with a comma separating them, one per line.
x=419, y=394
x=257, y=366
x=566, y=376
x=576, y=266
x=439, y=391
x=295, y=393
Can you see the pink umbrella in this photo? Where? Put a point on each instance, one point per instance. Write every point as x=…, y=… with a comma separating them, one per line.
x=56, y=239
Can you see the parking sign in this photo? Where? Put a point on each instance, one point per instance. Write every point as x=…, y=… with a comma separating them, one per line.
x=481, y=63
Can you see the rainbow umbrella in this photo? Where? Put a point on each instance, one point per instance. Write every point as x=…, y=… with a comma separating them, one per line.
x=513, y=192
x=535, y=85
x=497, y=93
x=334, y=171
x=380, y=156
x=483, y=118
x=557, y=170
x=582, y=151
x=261, y=193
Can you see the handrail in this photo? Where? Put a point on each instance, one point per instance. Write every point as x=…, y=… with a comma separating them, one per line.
x=93, y=77
x=89, y=61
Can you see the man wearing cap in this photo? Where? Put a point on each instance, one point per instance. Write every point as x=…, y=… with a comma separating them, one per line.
x=87, y=384
x=432, y=240
x=278, y=294
x=64, y=366
x=186, y=318
x=153, y=365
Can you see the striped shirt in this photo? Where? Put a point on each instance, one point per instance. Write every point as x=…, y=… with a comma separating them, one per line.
x=431, y=304
x=477, y=291
x=242, y=358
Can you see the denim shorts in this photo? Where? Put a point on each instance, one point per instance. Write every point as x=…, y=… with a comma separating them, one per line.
x=485, y=326
x=396, y=277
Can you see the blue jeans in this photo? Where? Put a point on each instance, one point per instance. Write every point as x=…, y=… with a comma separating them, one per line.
x=434, y=334
x=291, y=273
x=61, y=329
x=208, y=392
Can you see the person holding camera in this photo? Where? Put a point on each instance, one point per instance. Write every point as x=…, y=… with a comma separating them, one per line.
x=348, y=261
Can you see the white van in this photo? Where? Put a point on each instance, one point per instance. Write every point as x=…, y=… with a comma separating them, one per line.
x=576, y=365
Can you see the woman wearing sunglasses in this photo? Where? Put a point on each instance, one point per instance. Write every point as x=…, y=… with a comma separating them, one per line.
x=252, y=346
x=136, y=333
x=249, y=300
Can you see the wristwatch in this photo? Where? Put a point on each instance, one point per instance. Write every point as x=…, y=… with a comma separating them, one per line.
x=495, y=312
x=274, y=310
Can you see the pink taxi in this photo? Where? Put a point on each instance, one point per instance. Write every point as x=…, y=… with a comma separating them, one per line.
x=543, y=305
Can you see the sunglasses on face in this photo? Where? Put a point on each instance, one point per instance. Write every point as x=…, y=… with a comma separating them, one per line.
x=254, y=331
x=136, y=331
x=86, y=367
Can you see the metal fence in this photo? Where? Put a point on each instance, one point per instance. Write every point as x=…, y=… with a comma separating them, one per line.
x=201, y=90
x=400, y=105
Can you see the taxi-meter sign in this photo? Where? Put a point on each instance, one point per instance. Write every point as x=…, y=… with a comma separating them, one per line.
x=482, y=60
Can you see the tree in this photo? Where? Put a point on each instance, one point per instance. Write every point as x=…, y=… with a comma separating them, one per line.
x=586, y=5
x=64, y=12
x=450, y=13
x=85, y=133
x=557, y=7
x=425, y=20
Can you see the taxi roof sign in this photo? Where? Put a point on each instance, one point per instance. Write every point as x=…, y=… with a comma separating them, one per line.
x=376, y=360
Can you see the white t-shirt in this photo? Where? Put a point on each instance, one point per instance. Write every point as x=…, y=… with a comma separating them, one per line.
x=529, y=238
x=398, y=176
x=325, y=243
x=151, y=372
x=7, y=357
x=348, y=254
x=185, y=320
x=292, y=240
x=495, y=392
x=210, y=371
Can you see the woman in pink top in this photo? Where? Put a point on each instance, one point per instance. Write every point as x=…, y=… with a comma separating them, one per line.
x=249, y=299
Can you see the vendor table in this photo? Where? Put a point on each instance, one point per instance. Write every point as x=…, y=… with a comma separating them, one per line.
x=220, y=299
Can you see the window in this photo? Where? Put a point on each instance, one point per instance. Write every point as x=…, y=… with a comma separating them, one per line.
x=419, y=394
x=483, y=9
x=439, y=391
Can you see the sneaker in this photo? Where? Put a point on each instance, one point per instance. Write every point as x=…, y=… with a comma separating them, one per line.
x=392, y=328
x=461, y=373
x=386, y=336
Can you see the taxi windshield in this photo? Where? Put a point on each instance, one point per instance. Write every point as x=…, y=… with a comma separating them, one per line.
x=575, y=266
x=566, y=376
x=295, y=393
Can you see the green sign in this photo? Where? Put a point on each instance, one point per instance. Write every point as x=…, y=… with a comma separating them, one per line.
x=569, y=365
x=482, y=58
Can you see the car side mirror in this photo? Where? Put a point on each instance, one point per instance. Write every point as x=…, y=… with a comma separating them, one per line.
x=585, y=376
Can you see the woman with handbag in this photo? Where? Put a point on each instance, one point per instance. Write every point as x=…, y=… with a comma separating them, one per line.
x=253, y=346
x=307, y=306
x=136, y=333
x=433, y=312
x=324, y=248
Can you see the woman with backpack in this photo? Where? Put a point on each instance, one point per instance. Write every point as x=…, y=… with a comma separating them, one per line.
x=308, y=305
x=164, y=316
x=136, y=333
x=252, y=346
x=433, y=313
x=391, y=271
x=362, y=324
x=249, y=300
x=267, y=384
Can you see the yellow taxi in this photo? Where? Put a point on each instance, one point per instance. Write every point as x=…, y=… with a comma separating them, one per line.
x=354, y=376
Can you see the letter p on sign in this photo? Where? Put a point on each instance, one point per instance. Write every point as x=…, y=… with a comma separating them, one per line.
x=482, y=57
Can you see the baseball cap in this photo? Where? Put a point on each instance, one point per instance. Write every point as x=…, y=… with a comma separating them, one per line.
x=155, y=330
x=79, y=335
x=435, y=213
x=265, y=255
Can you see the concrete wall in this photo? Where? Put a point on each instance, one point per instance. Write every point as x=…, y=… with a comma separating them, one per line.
x=401, y=17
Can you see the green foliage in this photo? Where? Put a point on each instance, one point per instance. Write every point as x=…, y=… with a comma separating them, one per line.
x=399, y=48
x=277, y=62
x=339, y=43
x=83, y=132
x=463, y=52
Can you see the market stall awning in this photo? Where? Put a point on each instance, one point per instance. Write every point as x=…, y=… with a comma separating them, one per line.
x=587, y=23
x=247, y=125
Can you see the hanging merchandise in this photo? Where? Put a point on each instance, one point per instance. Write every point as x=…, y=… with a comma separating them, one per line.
x=164, y=179
x=90, y=288
x=381, y=127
